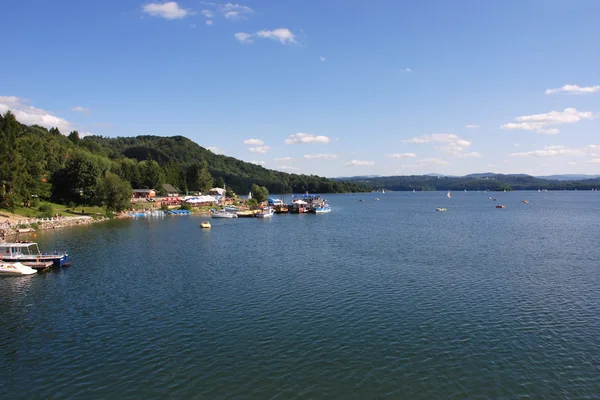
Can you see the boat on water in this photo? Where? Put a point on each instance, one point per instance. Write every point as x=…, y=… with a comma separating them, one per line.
x=29, y=252
x=448, y=195
x=525, y=201
x=282, y=209
x=500, y=206
x=267, y=212
x=323, y=209
x=440, y=209
x=16, y=269
x=245, y=214
x=222, y=214
x=414, y=191
x=376, y=198
x=205, y=225
x=361, y=201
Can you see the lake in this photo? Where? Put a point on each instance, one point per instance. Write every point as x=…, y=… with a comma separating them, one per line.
x=379, y=299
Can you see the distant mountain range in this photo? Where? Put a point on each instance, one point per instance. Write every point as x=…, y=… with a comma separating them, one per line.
x=479, y=181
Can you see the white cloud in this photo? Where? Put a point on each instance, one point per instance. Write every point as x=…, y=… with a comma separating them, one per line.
x=594, y=161
x=492, y=165
x=84, y=134
x=236, y=11
x=305, y=138
x=260, y=149
x=258, y=162
x=401, y=155
x=208, y=22
x=320, y=156
x=81, y=109
x=541, y=122
x=360, y=163
x=170, y=10
x=436, y=137
x=214, y=149
x=208, y=13
x=406, y=70
x=472, y=126
x=243, y=37
x=554, y=151
x=572, y=163
x=453, y=146
x=323, y=59
x=574, y=89
x=282, y=159
x=284, y=35
x=29, y=115
x=288, y=167
x=432, y=161
x=254, y=142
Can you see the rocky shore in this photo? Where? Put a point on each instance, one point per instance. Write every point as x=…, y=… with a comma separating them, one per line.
x=26, y=225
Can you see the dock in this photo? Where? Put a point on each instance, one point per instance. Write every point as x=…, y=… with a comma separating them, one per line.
x=40, y=265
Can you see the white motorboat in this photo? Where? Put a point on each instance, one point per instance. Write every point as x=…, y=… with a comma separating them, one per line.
x=267, y=212
x=16, y=269
x=222, y=214
x=323, y=209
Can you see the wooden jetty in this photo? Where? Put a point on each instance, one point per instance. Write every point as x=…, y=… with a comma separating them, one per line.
x=39, y=265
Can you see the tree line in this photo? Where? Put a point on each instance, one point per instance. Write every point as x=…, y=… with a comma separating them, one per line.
x=40, y=163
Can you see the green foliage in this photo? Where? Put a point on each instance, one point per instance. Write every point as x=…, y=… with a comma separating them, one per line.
x=114, y=193
x=260, y=193
x=74, y=137
x=252, y=203
x=229, y=193
x=152, y=175
x=77, y=182
x=45, y=210
x=185, y=207
x=164, y=207
x=35, y=202
x=219, y=182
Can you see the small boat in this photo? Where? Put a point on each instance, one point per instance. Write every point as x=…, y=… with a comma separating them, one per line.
x=376, y=198
x=16, y=269
x=500, y=206
x=245, y=214
x=205, y=225
x=323, y=209
x=361, y=201
x=29, y=252
x=267, y=212
x=448, y=195
x=490, y=197
x=526, y=201
x=282, y=209
x=440, y=209
x=494, y=199
x=222, y=214
x=414, y=191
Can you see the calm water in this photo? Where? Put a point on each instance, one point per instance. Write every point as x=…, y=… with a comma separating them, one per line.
x=387, y=299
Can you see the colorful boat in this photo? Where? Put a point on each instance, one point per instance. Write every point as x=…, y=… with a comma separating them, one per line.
x=323, y=209
x=205, y=225
x=267, y=212
x=29, y=252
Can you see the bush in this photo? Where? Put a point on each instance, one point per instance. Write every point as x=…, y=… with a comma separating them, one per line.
x=252, y=203
x=164, y=207
x=46, y=211
x=35, y=202
x=186, y=207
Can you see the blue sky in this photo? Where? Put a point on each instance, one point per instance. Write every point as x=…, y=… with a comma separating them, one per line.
x=334, y=88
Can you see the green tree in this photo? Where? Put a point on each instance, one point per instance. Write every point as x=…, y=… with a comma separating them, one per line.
x=114, y=193
x=152, y=175
x=78, y=181
x=199, y=178
x=220, y=182
x=260, y=193
x=74, y=137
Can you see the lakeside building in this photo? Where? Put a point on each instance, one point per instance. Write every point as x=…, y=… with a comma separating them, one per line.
x=140, y=193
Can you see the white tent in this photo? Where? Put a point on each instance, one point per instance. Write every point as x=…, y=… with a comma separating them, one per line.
x=218, y=191
x=301, y=202
x=200, y=199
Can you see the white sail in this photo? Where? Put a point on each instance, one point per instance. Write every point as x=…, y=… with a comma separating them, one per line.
x=448, y=195
x=249, y=195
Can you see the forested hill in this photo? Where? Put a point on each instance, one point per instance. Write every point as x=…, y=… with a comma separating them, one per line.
x=492, y=182
x=178, y=152
x=37, y=163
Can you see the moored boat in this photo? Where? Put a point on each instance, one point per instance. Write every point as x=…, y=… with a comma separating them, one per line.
x=323, y=209
x=222, y=214
x=245, y=214
x=440, y=209
x=29, y=252
x=267, y=212
x=16, y=269
x=500, y=206
x=205, y=225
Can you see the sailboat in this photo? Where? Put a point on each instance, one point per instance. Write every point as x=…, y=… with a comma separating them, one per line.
x=448, y=194
x=249, y=195
x=414, y=191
